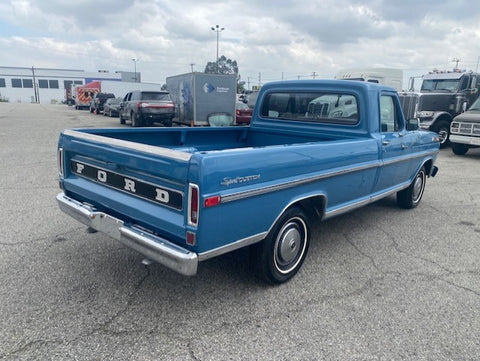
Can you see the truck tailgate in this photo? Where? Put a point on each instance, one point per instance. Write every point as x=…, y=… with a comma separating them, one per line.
x=140, y=184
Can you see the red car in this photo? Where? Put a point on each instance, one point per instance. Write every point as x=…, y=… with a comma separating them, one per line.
x=243, y=113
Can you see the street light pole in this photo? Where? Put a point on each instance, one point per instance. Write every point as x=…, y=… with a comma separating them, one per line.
x=218, y=30
x=135, y=65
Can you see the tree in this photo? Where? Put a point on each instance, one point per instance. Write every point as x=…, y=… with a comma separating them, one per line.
x=225, y=66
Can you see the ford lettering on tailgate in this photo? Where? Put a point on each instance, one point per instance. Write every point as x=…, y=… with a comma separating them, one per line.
x=151, y=192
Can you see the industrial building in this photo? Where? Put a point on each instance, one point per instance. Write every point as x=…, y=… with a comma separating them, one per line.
x=47, y=86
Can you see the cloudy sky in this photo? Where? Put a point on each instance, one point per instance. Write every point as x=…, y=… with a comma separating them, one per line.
x=282, y=38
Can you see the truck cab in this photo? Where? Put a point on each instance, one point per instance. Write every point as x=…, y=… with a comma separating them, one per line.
x=442, y=96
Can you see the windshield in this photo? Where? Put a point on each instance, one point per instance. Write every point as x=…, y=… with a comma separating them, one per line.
x=475, y=105
x=450, y=85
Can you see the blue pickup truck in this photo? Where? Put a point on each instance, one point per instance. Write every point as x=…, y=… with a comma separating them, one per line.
x=314, y=149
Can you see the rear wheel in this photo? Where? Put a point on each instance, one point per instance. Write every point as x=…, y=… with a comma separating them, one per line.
x=134, y=118
x=410, y=197
x=459, y=149
x=281, y=254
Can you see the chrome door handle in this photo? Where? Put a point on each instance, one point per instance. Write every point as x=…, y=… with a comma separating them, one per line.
x=404, y=146
x=385, y=142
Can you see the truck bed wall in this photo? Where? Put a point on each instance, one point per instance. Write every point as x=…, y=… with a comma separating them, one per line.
x=209, y=139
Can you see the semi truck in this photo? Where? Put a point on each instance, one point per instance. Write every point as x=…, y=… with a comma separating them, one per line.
x=442, y=96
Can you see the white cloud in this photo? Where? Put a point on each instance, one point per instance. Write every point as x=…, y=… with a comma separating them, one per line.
x=267, y=37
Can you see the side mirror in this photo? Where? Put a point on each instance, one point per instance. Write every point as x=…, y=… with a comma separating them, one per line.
x=413, y=124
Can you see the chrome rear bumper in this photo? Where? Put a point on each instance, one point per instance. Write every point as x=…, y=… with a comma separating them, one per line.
x=154, y=247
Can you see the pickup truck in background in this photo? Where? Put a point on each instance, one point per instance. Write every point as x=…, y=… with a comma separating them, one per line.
x=465, y=130
x=143, y=108
x=314, y=149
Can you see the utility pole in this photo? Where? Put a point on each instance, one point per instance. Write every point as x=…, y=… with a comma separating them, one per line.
x=35, y=90
x=248, y=83
x=135, y=65
x=456, y=61
x=218, y=30
x=259, y=80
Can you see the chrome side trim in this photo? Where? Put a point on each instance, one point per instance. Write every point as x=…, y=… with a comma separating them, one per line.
x=277, y=187
x=264, y=190
x=232, y=246
x=152, y=246
x=163, y=152
x=408, y=157
x=359, y=204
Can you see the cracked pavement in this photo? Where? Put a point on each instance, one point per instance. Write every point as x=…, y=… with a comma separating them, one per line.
x=380, y=283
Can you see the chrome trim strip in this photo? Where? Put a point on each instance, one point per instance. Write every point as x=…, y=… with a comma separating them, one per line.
x=268, y=189
x=154, y=247
x=364, y=202
x=232, y=246
x=408, y=157
x=260, y=191
x=151, y=149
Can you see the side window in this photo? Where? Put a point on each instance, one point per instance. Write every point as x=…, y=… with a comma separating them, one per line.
x=388, y=118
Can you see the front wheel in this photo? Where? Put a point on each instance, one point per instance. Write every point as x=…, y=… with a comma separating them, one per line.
x=410, y=197
x=281, y=254
x=459, y=149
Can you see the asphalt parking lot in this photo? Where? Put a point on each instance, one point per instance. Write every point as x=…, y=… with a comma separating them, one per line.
x=380, y=283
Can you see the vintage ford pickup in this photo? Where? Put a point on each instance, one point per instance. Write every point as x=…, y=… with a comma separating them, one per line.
x=182, y=195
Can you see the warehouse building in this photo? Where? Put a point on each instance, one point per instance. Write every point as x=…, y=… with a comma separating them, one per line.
x=47, y=86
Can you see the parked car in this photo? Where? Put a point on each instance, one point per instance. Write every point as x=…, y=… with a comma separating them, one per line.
x=97, y=102
x=243, y=113
x=465, y=130
x=112, y=107
x=146, y=107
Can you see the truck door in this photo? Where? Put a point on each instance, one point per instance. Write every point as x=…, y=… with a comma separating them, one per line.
x=396, y=145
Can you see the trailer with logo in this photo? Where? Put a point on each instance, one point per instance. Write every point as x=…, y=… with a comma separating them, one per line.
x=203, y=99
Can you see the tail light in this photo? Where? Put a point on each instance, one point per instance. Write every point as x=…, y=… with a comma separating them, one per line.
x=237, y=112
x=193, y=205
x=60, y=161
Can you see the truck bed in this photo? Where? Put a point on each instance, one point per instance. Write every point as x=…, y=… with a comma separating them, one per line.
x=193, y=140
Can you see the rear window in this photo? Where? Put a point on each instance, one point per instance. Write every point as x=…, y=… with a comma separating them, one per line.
x=319, y=107
x=155, y=96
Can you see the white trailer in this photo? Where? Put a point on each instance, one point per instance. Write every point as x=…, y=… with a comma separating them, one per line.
x=385, y=76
